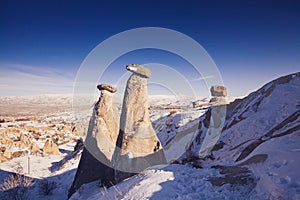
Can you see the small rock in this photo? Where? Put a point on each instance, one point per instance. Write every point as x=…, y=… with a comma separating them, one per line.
x=139, y=69
x=7, y=153
x=51, y=148
x=107, y=88
x=218, y=91
x=34, y=148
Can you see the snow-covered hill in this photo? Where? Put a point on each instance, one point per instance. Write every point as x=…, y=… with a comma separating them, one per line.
x=265, y=128
x=256, y=156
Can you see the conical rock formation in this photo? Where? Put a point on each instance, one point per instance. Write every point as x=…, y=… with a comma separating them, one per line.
x=51, y=148
x=218, y=94
x=100, y=142
x=138, y=143
x=211, y=124
x=105, y=128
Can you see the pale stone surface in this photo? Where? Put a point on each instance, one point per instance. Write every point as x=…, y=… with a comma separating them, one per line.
x=24, y=139
x=218, y=100
x=139, y=137
x=7, y=153
x=51, y=148
x=34, y=148
x=104, y=128
x=3, y=158
x=96, y=160
x=139, y=147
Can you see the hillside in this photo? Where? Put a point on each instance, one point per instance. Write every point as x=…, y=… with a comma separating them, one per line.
x=256, y=157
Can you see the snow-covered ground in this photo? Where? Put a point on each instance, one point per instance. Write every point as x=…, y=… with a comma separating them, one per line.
x=171, y=182
x=48, y=114
x=45, y=171
x=256, y=157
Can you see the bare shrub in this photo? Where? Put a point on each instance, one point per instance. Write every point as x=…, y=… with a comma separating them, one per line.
x=15, y=186
x=12, y=181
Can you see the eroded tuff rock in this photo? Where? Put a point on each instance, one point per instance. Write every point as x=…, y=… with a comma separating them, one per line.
x=34, y=148
x=139, y=69
x=211, y=124
x=218, y=91
x=99, y=147
x=105, y=129
x=218, y=94
x=137, y=140
x=51, y=148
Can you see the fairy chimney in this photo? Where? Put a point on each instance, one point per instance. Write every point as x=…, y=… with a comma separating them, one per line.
x=137, y=142
x=51, y=148
x=99, y=146
x=218, y=94
x=104, y=131
x=218, y=91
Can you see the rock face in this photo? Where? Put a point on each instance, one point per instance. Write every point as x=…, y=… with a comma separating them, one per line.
x=137, y=140
x=218, y=94
x=211, y=124
x=100, y=142
x=34, y=148
x=218, y=91
x=7, y=153
x=139, y=69
x=105, y=128
x=51, y=148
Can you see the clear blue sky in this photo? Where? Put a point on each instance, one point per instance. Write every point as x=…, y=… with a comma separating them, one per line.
x=43, y=43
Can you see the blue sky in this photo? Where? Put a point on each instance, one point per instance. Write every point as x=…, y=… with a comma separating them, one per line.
x=43, y=43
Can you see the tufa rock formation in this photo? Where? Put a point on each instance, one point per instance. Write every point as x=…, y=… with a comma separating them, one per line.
x=218, y=91
x=138, y=145
x=218, y=94
x=51, y=148
x=210, y=125
x=96, y=160
x=105, y=127
x=7, y=153
x=34, y=148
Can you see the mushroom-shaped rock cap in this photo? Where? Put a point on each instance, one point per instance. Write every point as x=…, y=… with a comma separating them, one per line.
x=107, y=87
x=139, y=69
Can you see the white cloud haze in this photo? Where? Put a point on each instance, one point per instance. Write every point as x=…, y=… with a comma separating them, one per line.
x=18, y=79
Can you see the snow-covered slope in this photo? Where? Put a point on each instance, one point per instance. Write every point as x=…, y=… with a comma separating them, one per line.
x=271, y=112
x=262, y=132
x=256, y=157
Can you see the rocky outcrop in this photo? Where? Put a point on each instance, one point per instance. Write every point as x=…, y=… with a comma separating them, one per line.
x=24, y=139
x=139, y=70
x=3, y=158
x=101, y=139
x=211, y=124
x=100, y=142
x=218, y=94
x=139, y=147
x=218, y=91
x=34, y=148
x=51, y=148
x=7, y=153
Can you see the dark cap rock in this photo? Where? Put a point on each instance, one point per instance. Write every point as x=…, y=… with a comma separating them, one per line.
x=218, y=91
x=139, y=69
x=107, y=88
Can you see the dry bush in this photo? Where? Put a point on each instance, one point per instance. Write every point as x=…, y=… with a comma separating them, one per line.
x=12, y=181
x=15, y=186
